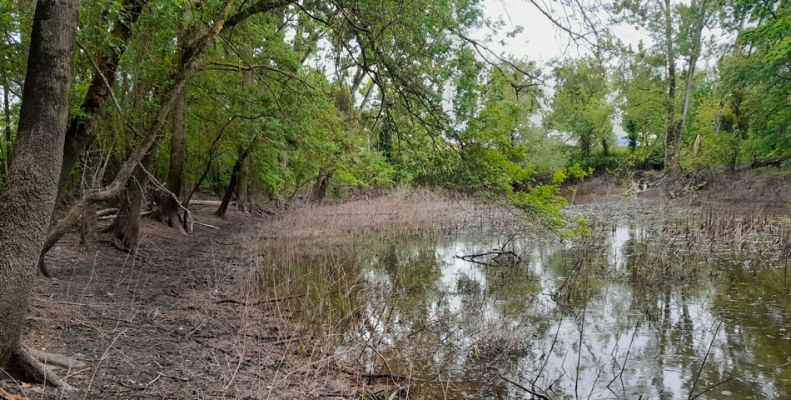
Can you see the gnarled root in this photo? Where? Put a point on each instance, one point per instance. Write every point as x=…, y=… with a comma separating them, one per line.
x=42, y=267
x=34, y=365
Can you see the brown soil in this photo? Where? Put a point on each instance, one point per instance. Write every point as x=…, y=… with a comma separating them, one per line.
x=606, y=188
x=169, y=323
x=769, y=187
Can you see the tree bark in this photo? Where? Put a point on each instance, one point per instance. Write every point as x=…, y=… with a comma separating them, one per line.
x=168, y=209
x=229, y=191
x=319, y=191
x=126, y=227
x=6, y=151
x=242, y=195
x=27, y=201
x=80, y=133
x=691, y=63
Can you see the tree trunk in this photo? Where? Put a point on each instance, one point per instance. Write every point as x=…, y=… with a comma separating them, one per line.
x=27, y=201
x=319, y=191
x=126, y=227
x=691, y=62
x=168, y=210
x=88, y=227
x=6, y=156
x=673, y=135
x=231, y=189
x=585, y=144
x=81, y=131
x=242, y=195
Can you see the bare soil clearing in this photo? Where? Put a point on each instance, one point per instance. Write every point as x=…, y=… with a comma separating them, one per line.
x=168, y=323
x=769, y=187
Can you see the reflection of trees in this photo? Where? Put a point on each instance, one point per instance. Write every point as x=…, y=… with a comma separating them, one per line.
x=757, y=300
x=437, y=330
x=513, y=287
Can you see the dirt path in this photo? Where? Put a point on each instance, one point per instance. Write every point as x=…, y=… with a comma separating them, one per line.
x=167, y=323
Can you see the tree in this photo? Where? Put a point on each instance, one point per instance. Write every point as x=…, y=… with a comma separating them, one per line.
x=27, y=200
x=81, y=131
x=580, y=106
x=642, y=95
x=677, y=32
x=149, y=140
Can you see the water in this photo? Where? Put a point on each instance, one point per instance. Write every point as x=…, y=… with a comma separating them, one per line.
x=649, y=307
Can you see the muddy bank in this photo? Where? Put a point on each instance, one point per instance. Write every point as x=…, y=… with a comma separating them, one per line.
x=767, y=187
x=169, y=323
x=234, y=310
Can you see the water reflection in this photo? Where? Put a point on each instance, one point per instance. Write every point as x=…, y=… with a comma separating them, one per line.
x=573, y=321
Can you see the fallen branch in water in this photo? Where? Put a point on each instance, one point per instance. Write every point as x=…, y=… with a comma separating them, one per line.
x=473, y=258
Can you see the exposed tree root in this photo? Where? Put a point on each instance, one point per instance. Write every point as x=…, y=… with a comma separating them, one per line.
x=58, y=360
x=8, y=396
x=35, y=366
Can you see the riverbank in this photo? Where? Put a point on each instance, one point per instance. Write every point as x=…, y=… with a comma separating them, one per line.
x=268, y=307
x=167, y=322
x=194, y=316
x=763, y=187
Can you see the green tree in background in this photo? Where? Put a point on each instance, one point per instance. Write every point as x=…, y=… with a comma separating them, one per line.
x=580, y=106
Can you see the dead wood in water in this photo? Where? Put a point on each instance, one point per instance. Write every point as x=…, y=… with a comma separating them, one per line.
x=513, y=257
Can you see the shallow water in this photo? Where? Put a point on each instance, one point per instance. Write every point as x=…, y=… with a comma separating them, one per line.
x=653, y=306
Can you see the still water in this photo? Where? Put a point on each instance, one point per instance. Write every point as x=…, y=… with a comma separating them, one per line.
x=658, y=303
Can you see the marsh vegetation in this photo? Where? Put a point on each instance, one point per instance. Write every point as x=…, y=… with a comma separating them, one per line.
x=661, y=300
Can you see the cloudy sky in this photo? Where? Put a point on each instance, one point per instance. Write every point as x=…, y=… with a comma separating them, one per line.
x=541, y=40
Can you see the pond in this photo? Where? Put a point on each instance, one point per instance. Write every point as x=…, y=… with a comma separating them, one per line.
x=658, y=303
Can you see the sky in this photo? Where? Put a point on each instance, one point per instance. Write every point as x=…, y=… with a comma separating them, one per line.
x=540, y=40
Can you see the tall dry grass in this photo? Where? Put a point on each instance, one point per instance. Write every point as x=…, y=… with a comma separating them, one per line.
x=312, y=256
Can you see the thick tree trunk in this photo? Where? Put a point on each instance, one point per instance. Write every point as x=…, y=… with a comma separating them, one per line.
x=27, y=201
x=168, y=209
x=81, y=131
x=319, y=191
x=126, y=227
x=242, y=189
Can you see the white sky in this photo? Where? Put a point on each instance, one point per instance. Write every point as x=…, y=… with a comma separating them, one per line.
x=541, y=40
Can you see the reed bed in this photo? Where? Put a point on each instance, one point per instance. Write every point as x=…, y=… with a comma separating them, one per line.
x=683, y=244
x=313, y=256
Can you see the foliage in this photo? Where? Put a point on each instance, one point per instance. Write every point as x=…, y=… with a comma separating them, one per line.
x=383, y=93
x=580, y=105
